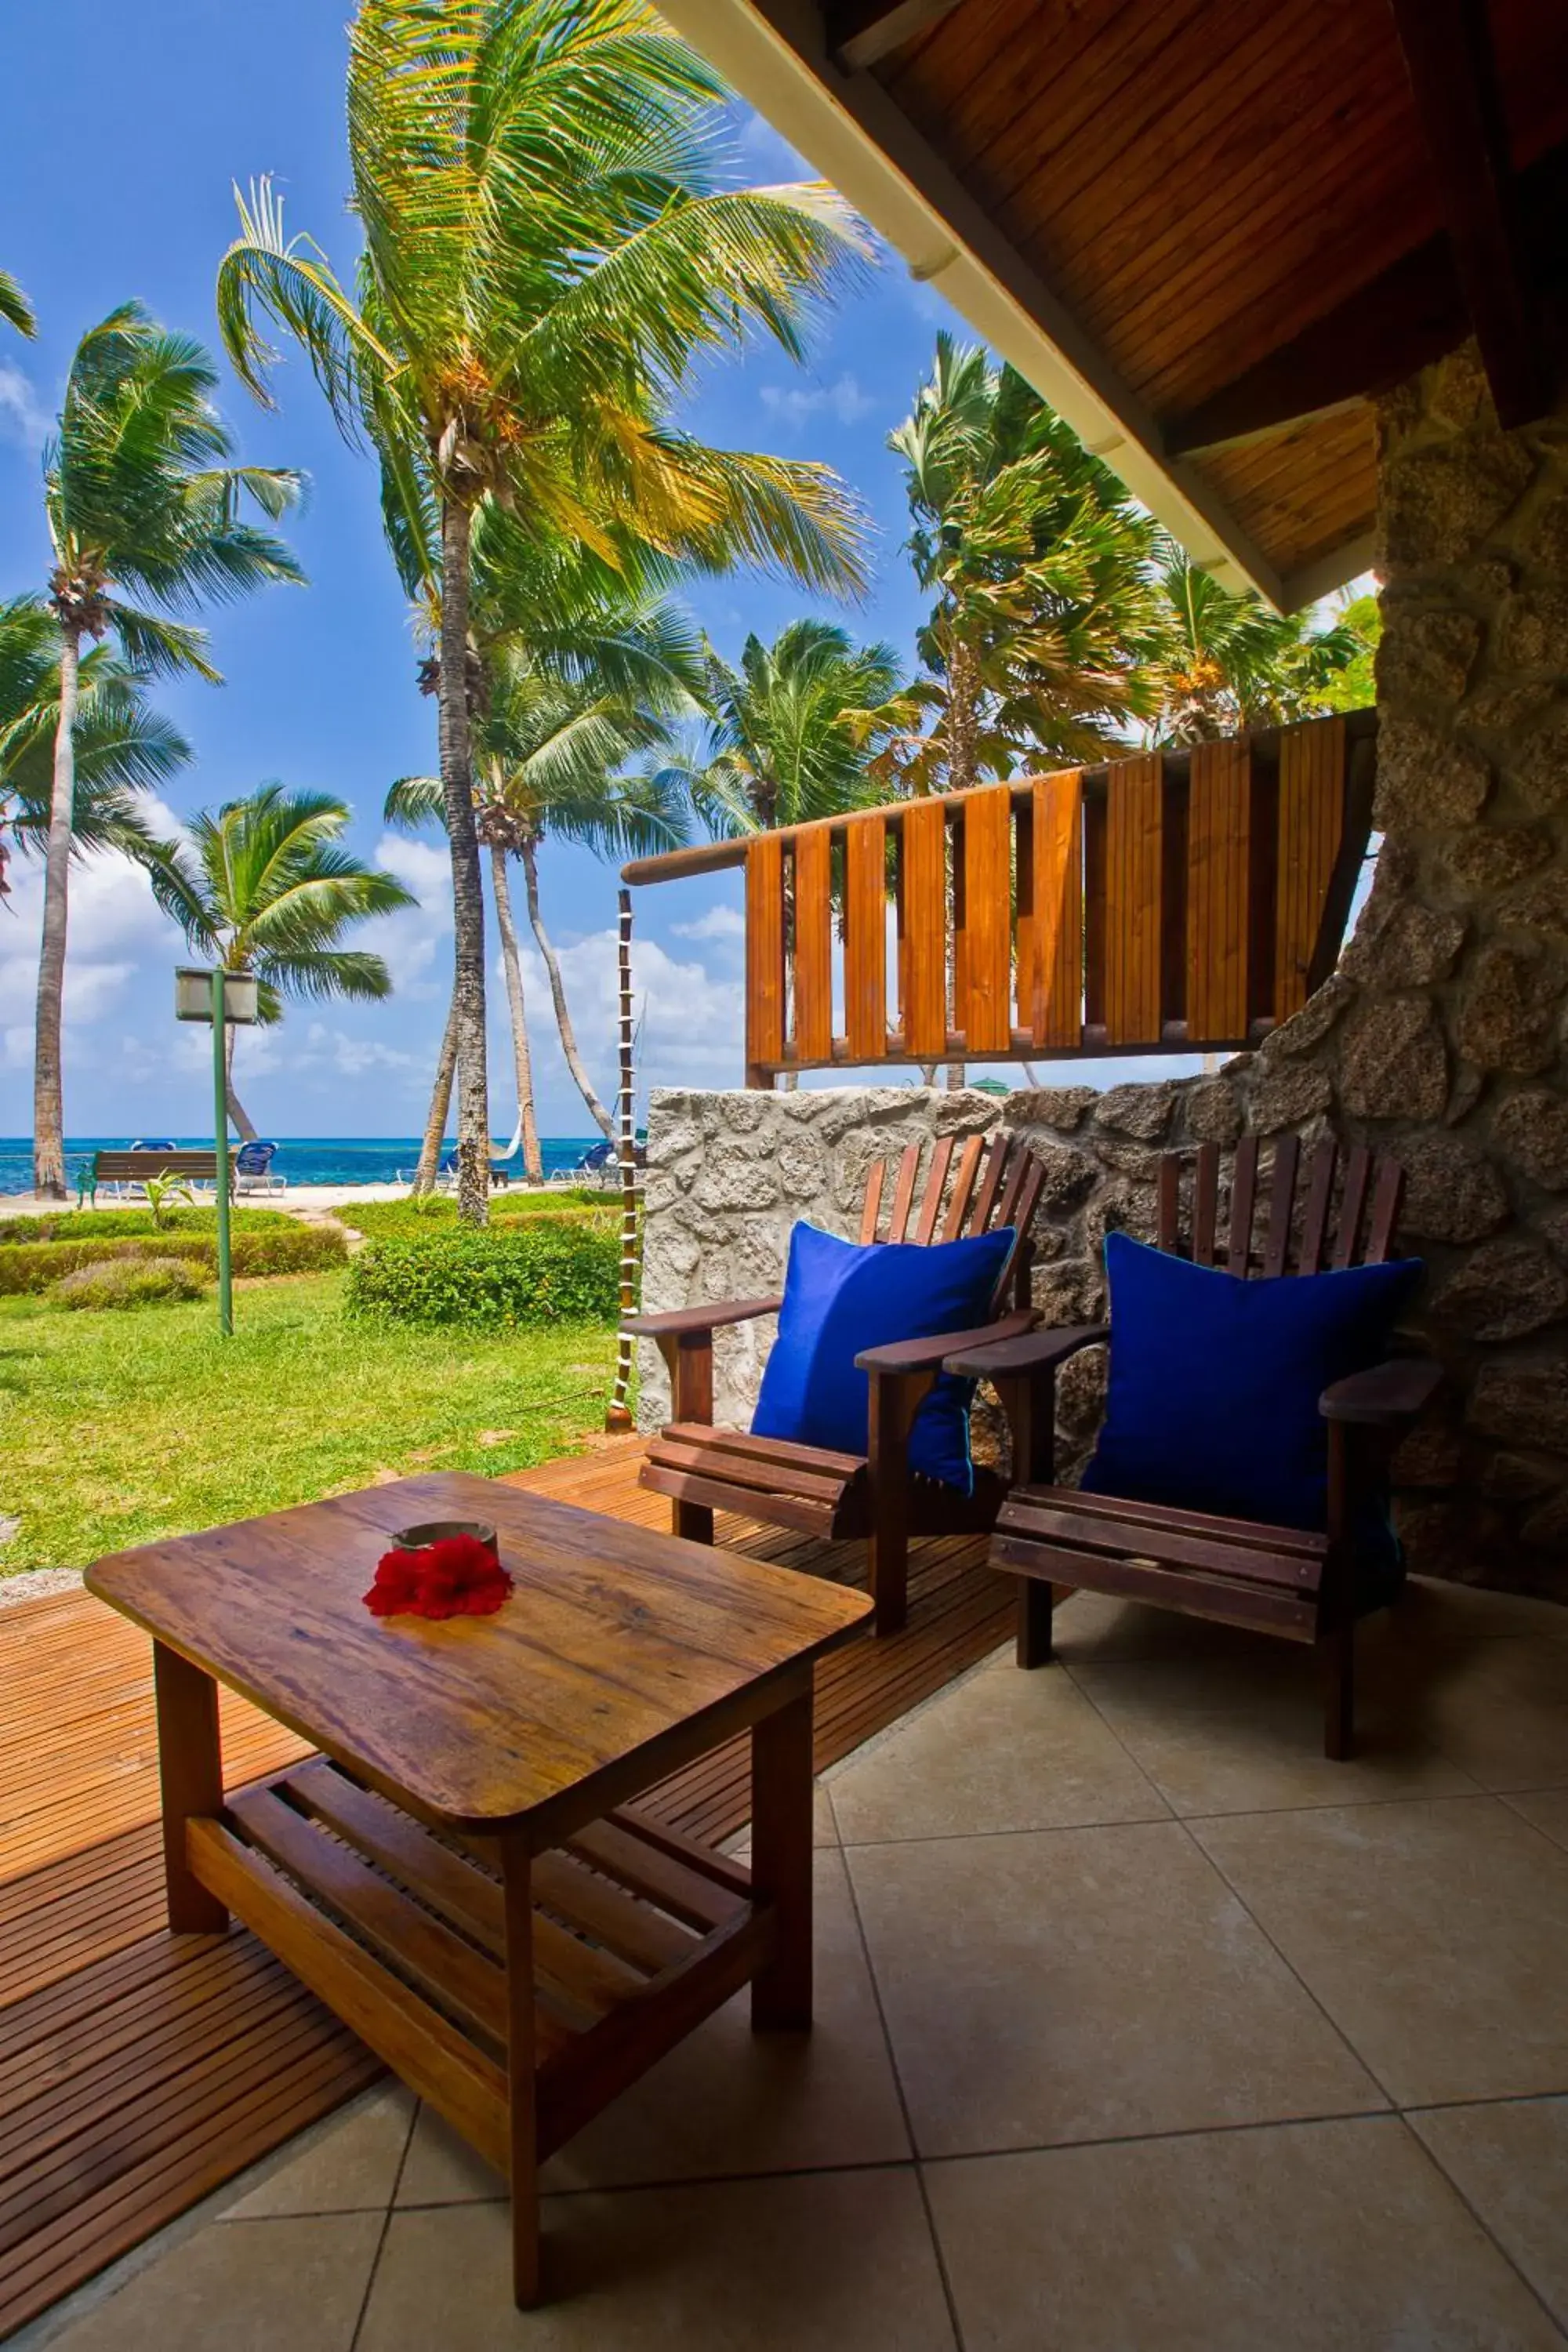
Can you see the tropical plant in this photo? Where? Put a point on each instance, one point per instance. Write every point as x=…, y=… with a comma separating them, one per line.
x=141, y=502
x=791, y=732
x=551, y=750
x=164, y=1195
x=1231, y=664
x=15, y=307
x=265, y=886
x=1043, y=612
x=123, y=748
x=545, y=260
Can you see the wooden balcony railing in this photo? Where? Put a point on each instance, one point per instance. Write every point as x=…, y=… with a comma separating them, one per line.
x=1167, y=903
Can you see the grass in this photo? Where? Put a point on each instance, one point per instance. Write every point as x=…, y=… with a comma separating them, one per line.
x=122, y=1428
x=127, y=1224
x=380, y=1220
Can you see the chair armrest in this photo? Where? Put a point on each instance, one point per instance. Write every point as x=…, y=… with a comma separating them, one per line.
x=1384, y=1396
x=929, y=1355
x=677, y=1322
x=1031, y=1352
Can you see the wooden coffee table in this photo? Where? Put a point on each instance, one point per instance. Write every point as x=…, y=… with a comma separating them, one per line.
x=460, y=1873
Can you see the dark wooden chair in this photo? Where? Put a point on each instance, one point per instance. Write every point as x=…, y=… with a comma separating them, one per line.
x=873, y=1496
x=1299, y=1585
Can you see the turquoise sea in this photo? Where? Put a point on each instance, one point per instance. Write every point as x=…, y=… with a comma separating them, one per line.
x=303, y=1159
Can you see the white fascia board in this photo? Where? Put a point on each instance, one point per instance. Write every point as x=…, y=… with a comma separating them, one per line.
x=774, y=52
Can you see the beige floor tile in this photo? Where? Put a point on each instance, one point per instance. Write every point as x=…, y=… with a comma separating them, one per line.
x=1431, y=1609
x=727, y=2101
x=1436, y=1936
x=350, y=2165
x=1244, y=1734
x=1498, y=1708
x=1001, y=1752
x=286, y=2285
x=1093, y=1625
x=1511, y=2164
x=1075, y=1984
x=1299, y=2238
x=824, y=1828
x=840, y=2260
x=1547, y=1808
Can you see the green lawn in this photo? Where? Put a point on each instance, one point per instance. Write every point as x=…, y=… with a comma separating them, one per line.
x=121, y=1427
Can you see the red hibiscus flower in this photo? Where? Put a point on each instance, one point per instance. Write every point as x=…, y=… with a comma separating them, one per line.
x=458, y=1577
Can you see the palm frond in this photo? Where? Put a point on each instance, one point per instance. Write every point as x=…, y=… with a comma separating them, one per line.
x=15, y=307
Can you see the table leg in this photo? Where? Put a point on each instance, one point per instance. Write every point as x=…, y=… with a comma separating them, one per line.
x=517, y=1877
x=190, y=1773
x=781, y=1860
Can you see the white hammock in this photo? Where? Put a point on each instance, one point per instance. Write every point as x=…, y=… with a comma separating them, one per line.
x=511, y=1150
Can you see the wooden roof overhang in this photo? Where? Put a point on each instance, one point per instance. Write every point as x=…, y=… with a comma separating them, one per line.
x=1206, y=230
x=1169, y=902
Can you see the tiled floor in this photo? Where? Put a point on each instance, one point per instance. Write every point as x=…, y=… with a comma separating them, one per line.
x=1139, y=2026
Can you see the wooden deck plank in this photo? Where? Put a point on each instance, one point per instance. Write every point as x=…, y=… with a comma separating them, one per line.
x=116, y=2036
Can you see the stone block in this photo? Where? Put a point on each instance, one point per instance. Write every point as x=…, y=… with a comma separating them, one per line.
x=1139, y=1161
x=1425, y=780
x=1548, y=1527
x=1523, y=1477
x=1440, y=502
x=1505, y=1290
x=1286, y=1098
x=802, y=1168
x=1081, y=1393
x=1427, y=654
x=1532, y=631
x=1538, y=763
x=1069, y=1175
x=1548, y=543
x=1402, y=945
x=1540, y=906
x=1507, y=1014
x=1063, y=1107
x=1393, y=1062
x=1144, y=1111
x=1530, y=1129
x=1523, y=1402
x=1306, y=1030
x=1451, y=1194
x=728, y=1182
x=1431, y=1456
x=1072, y=1291
x=1212, y=1109
x=1490, y=856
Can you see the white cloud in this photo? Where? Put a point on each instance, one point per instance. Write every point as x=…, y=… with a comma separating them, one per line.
x=691, y=1021
x=717, y=923
x=115, y=927
x=22, y=416
x=411, y=943
x=792, y=405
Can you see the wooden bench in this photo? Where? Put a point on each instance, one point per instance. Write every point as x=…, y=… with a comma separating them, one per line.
x=135, y=1167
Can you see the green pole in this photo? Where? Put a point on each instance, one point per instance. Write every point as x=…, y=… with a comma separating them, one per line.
x=220, y=1127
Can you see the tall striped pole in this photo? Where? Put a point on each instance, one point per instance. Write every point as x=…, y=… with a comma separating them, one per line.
x=618, y=1416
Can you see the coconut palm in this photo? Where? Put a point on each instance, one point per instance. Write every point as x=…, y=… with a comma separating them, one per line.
x=1230, y=663
x=545, y=260
x=1043, y=609
x=551, y=754
x=14, y=308
x=141, y=503
x=790, y=737
x=123, y=747
x=265, y=886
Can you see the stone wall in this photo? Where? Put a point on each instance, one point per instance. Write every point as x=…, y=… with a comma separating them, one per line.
x=1440, y=1039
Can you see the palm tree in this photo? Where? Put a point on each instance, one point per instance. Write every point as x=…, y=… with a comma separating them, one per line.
x=141, y=500
x=550, y=751
x=1044, y=611
x=123, y=748
x=1232, y=664
x=14, y=308
x=545, y=260
x=263, y=885
x=790, y=733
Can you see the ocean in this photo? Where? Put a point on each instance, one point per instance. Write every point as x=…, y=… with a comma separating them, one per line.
x=303, y=1159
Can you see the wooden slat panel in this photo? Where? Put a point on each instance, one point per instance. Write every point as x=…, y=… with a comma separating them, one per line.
x=812, y=961
x=1353, y=1200
x=1281, y=1201
x=866, y=939
x=1170, y=1199
x=936, y=1177
x=1319, y=1195
x=1205, y=1203
x=1312, y=822
x=984, y=1001
x=1219, y=811
x=923, y=910
x=1050, y=912
x=764, y=953
x=876, y=1176
x=962, y=1186
x=1242, y=1198
x=1134, y=880
x=904, y=1193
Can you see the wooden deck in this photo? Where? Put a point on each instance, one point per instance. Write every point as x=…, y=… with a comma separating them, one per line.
x=140, y=2070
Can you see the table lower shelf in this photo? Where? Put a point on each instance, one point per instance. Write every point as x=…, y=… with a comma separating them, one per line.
x=638, y=1933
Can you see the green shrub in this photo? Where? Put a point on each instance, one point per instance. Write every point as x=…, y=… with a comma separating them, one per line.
x=540, y=1270
x=437, y=1213
x=289, y=1247
x=130, y=1282
x=117, y=1225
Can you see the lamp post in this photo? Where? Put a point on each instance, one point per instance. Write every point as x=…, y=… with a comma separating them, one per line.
x=221, y=997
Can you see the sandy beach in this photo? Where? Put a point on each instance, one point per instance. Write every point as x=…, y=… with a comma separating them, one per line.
x=299, y=1200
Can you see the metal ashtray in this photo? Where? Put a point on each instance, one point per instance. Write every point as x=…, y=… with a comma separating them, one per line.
x=434, y=1531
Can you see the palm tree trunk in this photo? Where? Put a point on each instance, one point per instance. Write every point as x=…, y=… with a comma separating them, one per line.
x=441, y=1104
x=468, y=888
x=601, y=1118
x=48, y=1107
x=237, y=1113
x=532, y=1157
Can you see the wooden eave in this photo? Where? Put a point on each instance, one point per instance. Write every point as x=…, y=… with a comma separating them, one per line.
x=1209, y=231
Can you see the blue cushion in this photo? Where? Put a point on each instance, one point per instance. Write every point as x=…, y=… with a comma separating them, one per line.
x=1215, y=1381
x=841, y=1298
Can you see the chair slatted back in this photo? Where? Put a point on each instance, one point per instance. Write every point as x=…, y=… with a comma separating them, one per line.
x=1369, y=1191
x=996, y=1181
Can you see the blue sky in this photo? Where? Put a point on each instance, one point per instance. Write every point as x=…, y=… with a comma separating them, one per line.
x=115, y=181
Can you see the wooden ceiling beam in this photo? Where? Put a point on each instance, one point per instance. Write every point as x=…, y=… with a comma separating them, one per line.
x=1449, y=55
x=1410, y=315
x=861, y=31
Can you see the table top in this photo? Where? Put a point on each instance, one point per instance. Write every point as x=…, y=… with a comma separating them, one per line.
x=618, y=1643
